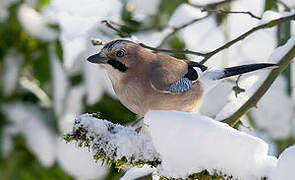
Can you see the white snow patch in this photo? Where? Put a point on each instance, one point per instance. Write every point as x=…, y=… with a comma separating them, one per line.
x=153, y=38
x=285, y=166
x=79, y=162
x=4, y=5
x=28, y=119
x=35, y=24
x=183, y=14
x=124, y=141
x=60, y=84
x=73, y=107
x=252, y=83
x=142, y=9
x=189, y=143
x=276, y=121
x=136, y=172
x=12, y=62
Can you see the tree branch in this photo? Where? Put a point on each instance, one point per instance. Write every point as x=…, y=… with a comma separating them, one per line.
x=252, y=102
x=208, y=55
x=222, y=11
x=246, y=34
x=186, y=51
x=109, y=25
x=211, y=5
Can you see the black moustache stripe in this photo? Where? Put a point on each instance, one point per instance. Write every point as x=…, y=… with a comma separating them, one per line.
x=117, y=65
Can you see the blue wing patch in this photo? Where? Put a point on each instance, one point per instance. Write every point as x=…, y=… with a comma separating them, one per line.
x=182, y=85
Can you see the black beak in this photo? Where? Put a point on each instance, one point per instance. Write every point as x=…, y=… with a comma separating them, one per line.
x=98, y=59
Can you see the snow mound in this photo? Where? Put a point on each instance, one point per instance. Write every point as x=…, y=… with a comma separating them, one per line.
x=175, y=145
x=189, y=143
x=286, y=164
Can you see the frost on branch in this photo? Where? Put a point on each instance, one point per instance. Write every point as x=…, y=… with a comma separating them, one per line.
x=177, y=145
x=113, y=143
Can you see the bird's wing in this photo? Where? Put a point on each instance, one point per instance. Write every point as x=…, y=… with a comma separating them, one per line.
x=174, y=76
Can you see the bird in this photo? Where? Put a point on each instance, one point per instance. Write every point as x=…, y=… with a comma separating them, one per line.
x=144, y=80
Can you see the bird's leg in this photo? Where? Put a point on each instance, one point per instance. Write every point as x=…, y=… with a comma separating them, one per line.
x=137, y=124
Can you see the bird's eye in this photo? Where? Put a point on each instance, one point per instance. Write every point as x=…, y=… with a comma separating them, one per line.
x=121, y=53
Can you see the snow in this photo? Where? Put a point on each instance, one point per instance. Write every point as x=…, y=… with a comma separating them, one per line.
x=215, y=146
x=252, y=83
x=4, y=5
x=117, y=141
x=286, y=164
x=183, y=14
x=153, y=38
x=142, y=9
x=135, y=172
x=35, y=24
x=28, y=120
x=59, y=82
x=78, y=162
x=12, y=62
x=289, y=3
x=73, y=107
x=276, y=121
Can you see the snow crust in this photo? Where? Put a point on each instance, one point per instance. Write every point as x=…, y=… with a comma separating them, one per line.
x=189, y=143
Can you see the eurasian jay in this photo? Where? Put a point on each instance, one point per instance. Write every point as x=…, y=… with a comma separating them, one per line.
x=143, y=80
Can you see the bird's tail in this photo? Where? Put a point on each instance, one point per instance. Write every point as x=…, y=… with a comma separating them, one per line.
x=237, y=70
x=210, y=76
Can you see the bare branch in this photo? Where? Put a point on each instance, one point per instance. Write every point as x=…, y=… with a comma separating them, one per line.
x=131, y=26
x=208, y=55
x=186, y=51
x=222, y=11
x=252, y=101
x=211, y=5
x=283, y=4
x=109, y=25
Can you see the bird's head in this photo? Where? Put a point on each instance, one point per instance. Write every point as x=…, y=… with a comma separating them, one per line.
x=119, y=54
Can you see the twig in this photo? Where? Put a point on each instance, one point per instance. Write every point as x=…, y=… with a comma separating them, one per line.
x=208, y=55
x=283, y=4
x=237, y=88
x=132, y=27
x=211, y=5
x=109, y=25
x=186, y=51
x=252, y=101
x=222, y=11
x=176, y=29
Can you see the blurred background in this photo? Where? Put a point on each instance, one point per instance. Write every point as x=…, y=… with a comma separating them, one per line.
x=46, y=82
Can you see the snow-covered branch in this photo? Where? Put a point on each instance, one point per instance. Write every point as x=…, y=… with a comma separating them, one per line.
x=177, y=145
